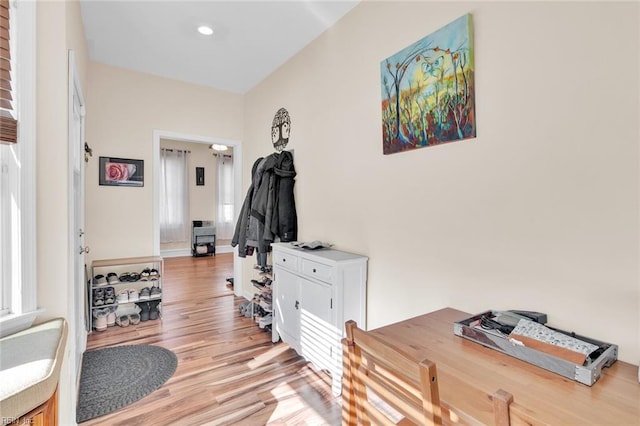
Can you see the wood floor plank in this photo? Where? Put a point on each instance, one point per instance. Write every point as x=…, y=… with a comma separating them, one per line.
x=229, y=372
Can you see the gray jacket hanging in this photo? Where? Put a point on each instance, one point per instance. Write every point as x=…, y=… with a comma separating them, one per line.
x=269, y=210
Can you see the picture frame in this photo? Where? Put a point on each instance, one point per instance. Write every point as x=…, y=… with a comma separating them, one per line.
x=428, y=90
x=114, y=171
x=199, y=176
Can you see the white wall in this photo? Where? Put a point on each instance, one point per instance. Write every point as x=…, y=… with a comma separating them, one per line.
x=124, y=109
x=59, y=28
x=539, y=212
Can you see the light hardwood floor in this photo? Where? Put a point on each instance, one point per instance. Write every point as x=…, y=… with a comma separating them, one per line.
x=229, y=372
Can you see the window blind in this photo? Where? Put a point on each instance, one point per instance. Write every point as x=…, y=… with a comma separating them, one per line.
x=8, y=122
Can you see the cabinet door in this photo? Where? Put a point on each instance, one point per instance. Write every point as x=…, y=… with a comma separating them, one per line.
x=317, y=331
x=287, y=307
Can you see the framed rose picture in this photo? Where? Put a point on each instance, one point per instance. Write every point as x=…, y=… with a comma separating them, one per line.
x=121, y=172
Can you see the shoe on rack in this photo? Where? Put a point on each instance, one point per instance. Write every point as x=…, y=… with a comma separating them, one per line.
x=98, y=297
x=265, y=321
x=123, y=296
x=144, y=310
x=247, y=309
x=266, y=297
x=256, y=310
x=101, y=320
x=264, y=285
x=109, y=296
x=134, y=319
x=133, y=295
x=126, y=310
x=263, y=268
x=260, y=311
x=145, y=294
x=112, y=278
x=155, y=293
x=154, y=274
x=123, y=321
x=100, y=280
x=262, y=281
x=266, y=290
x=144, y=275
x=154, y=312
x=111, y=317
x=265, y=305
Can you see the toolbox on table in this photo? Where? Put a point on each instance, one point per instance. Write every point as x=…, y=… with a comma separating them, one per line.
x=483, y=329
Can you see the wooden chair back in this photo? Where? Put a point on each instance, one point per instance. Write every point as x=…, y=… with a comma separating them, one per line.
x=380, y=371
x=383, y=376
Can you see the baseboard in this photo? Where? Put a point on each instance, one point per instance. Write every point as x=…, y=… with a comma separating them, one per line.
x=187, y=252
x=175, y=253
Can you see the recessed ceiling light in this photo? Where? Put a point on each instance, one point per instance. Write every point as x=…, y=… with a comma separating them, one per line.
x=217, y=147
x=205, y=30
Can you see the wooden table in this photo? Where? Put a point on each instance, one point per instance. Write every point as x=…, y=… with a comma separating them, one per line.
x=540, y=397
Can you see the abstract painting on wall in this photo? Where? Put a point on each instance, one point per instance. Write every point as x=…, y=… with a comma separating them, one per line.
x=428, y=92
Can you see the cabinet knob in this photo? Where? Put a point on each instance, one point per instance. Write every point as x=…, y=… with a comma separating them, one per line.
x=297, y=305
x=314, y=270
x=284, y=260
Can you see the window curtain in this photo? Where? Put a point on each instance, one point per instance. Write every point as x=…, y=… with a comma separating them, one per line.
x=224, y=225
x=174, y=196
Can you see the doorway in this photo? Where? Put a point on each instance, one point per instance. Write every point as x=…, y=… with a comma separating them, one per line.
x=159, y=135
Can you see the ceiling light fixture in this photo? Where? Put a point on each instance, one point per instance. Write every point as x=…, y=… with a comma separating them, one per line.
x=217, y=147
x=205, y=30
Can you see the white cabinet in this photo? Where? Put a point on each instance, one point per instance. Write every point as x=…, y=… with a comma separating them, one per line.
x=315, y=293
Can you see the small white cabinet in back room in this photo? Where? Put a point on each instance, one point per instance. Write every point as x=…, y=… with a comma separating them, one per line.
x=315, y=292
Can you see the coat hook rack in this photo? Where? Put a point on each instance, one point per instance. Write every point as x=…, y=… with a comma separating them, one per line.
x=88, y=152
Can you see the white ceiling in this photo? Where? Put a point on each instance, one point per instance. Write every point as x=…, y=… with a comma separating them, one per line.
x=251, y=40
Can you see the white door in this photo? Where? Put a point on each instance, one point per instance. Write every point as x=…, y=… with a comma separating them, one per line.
x=287, y=307
x=78, y=290
x=317, y=332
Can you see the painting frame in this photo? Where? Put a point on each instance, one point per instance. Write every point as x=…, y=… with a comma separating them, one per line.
x=428, y=90
x=114, y=171
x=199, y=176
